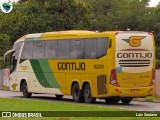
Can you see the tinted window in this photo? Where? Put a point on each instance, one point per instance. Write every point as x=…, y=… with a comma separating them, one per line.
x=38, y=49
x=51, y=49
x=77, y=48
x=90, y=48
x=102, y=46
x=17, y=47
x=27, y=52
x=64, y=47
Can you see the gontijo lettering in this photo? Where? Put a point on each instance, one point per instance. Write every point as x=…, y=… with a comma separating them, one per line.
x=71, y=66
x=134, y=55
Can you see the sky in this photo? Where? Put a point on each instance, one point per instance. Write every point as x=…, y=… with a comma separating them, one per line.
x=151, y=4
x=154, y=3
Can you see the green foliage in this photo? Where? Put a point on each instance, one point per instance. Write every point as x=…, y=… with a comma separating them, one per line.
x=158, y=63
x=36, y=16
x=35, y=105
x=119, y=15
x=43, y=16
x=4, y=46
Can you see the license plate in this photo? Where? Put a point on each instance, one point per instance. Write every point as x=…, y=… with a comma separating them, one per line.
x=134, y=90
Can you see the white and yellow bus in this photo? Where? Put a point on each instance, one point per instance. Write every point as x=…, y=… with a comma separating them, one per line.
x=87, y=65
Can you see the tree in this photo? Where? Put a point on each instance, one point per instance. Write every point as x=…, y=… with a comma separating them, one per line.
x=4, y=46
x=119, y=15
x=156, y=26
x=36, y=16
x=44, y=16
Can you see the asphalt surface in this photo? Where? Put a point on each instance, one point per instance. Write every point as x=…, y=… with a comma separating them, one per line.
x=134, y=105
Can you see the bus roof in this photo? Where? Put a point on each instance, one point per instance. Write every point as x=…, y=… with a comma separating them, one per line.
x=70, y=34
x=114, y=32
x=62, y=35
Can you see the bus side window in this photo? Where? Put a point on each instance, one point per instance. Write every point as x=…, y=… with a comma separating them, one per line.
x=64, y=48
x=27, y=52
x=77, y=49
x=15, y=55
x=51, y=49
x=102, y=47
x=39, y=49
x=90, y=48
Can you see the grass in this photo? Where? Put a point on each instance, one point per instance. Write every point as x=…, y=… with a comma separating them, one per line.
x=8, y=104
x=149, y=99
x=36, y=105
x=153, y=97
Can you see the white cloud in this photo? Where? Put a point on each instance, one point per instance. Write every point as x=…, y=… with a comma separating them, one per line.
x=153, y=3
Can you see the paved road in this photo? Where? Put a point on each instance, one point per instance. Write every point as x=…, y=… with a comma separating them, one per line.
x=134, y=105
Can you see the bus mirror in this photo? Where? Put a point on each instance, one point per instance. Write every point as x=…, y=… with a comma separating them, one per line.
x=6, y=59
x=7, y=55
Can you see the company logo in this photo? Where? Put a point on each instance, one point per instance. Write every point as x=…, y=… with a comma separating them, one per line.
x=6, y=6
x=134, y=41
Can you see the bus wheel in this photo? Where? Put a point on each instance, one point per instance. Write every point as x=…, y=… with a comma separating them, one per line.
x=126, y=100
x=112, y=100
x=59, y=96
x=25, y=90
x=77, y=94
x=87, y=95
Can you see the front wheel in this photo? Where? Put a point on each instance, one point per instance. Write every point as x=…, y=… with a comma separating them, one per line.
x=87, y=95
x=126, y=100
x=25, y=90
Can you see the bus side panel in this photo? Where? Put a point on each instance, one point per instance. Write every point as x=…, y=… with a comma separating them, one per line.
x=61, y=80
x=70, y=78
x=111, y=66
x=37, y=81
x=14, y=82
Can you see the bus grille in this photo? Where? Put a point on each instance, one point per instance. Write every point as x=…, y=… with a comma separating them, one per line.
x=101, y=84
x=134, y=63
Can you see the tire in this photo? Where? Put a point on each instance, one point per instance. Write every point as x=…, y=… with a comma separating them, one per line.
x=77, y=94
x=87, y=95
x=126, y=100
x=113, y=100
x=25, y=90
x=59, y=96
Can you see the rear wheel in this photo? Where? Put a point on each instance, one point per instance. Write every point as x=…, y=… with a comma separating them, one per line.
x=112, y=100
x=77, y=94
x=59, y=96
x=25, y=90
x=126, y=100
x=87, y=95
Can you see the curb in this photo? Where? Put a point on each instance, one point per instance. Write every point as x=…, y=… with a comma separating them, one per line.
x=146, y=100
